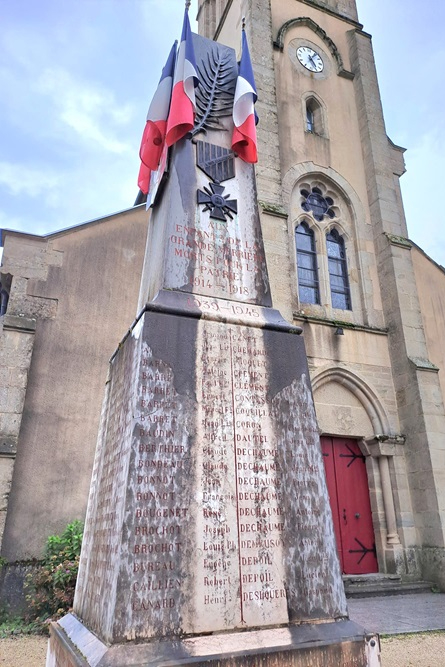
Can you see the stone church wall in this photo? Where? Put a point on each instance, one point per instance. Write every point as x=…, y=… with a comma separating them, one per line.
x=73, y=296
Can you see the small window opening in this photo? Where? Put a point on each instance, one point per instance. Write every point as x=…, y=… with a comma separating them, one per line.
x=314, y=117
x=309, y=120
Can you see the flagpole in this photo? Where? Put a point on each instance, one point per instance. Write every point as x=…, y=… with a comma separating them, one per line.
x=244, y=138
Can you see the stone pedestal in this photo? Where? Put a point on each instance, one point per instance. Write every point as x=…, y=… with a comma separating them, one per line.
x=320, y=645
x=208, y=510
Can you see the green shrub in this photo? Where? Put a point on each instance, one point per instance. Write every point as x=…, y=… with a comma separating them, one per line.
x=50, y=587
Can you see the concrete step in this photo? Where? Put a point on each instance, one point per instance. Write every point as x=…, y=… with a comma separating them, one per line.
x=378, y=585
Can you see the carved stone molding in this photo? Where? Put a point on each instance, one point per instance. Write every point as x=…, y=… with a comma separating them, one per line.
x=360, y=389
x=383, y=445
x=399, y=241
x=309, y=23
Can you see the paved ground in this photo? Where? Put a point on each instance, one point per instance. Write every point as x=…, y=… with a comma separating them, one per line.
x=398, y=614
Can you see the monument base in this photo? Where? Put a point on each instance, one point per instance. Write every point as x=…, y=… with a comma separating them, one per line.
x=340, y=643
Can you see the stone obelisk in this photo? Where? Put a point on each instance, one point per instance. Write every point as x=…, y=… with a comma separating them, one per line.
x=209, y=537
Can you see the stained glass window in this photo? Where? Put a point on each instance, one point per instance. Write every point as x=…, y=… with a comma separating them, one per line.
x=338, y=271
x=319, y=205
x=308, y=291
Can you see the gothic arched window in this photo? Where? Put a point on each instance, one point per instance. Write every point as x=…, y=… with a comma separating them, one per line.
x=338, y=271
x=314, y=116
x=308, y=291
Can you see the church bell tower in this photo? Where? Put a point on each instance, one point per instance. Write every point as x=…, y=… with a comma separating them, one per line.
x=340, y=265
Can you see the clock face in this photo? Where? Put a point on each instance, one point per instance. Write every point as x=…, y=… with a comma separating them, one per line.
x=310, y=59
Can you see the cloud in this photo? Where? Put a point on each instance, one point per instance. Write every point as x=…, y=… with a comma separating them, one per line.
x=87, y=108
x=19, y=179
x=41, y=202
x=421, y=187
x=15, y=222
x=75, y=90
x=45, y=100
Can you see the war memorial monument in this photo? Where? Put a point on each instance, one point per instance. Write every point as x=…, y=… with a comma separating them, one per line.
x=209, y=538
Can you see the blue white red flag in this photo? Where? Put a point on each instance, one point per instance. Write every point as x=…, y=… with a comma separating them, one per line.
x=153, y=138
x=181, y=118
x=244, y=141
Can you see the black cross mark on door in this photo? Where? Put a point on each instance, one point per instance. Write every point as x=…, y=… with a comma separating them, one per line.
x=353, y=456
x=364, y=550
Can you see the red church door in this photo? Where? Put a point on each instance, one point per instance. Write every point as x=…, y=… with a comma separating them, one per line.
x=351, y=508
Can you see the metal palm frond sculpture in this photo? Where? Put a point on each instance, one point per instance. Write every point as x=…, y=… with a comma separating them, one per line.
x=214, y=95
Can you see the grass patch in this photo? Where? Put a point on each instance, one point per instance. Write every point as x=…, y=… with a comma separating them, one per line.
x=16, y=627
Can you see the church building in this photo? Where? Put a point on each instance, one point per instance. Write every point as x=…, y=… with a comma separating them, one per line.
x=371, y=304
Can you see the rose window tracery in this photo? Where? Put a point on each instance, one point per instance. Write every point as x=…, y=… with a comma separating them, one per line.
x=315, y=202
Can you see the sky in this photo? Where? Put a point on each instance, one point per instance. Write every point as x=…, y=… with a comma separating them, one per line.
x=77, y=76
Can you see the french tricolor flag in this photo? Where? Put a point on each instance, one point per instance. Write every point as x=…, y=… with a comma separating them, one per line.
x=244, y=141
x=181, y=118
x=144, y=177
x=153, y=138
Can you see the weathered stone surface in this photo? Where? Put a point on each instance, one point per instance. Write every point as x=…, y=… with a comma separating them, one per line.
x=12, y=579
x=225, y=522
x=340, y=644
x=194, y=253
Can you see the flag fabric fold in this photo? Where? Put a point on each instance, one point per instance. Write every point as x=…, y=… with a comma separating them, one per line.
x=144, y=178
x=244, y=140
x=181, y=118
x=153, y=138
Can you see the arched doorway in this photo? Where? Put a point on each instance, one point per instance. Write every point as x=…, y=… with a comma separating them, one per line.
x=348, y=412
